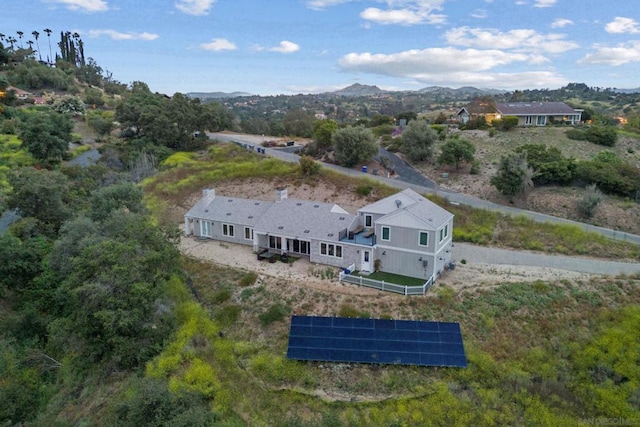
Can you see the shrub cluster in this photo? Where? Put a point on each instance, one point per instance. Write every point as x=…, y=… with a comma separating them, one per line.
x=598, y=134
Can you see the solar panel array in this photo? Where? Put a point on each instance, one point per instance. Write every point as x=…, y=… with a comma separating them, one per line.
x=403, y=342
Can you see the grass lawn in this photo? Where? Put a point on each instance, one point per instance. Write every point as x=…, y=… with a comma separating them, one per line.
x=393, y=278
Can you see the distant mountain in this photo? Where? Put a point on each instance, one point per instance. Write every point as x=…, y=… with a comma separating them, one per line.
x=636, y=90
x=465, y=90
x=357, y=89
x=216, y=95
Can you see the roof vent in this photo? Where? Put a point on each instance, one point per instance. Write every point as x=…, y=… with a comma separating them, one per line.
x=430, y=219
x=316, y=206
x=280, y=227
x=306, y=231
x=330, y=235
x=230, y=200
x=206, y=210
x=256, y=203
x=298, y=204
x=398, y=203
x=250, y=216
x=228, y=213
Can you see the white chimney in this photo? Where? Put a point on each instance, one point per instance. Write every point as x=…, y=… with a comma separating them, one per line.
x=281, y=194
x=209, y=193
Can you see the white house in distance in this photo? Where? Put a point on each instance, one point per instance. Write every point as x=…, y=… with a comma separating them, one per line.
x=404, y=234
x=528, y=113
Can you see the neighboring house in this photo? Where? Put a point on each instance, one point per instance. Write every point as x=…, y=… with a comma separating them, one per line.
x=528, y=113
x=404, y=234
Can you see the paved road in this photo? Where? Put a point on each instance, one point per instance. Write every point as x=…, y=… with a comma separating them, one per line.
x=253, y=141
x=485, y=255
x=406, y=172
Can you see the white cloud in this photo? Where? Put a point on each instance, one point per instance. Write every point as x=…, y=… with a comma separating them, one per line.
x=614, y=55
x=479, y=14
x=406, y=12
x=116, y=35
x=217, y=45
x=85, y=5
x=285, y=46
x=622, y=25
x=561, y=23
x=431, y=61
x=323, y=4
x=523, y=40
x=451, y=67
x=545, y=3
x=194, y=7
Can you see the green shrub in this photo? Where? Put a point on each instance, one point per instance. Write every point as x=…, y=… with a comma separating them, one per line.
x=221, y=296
x=576, y=134
x=602, y=135
x=275, y=313
x=227, y=315
x=248, y=279
x=347, y=310
x=589, y=201
x=364, y=190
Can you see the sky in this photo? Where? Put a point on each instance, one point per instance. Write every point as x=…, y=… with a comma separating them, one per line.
x=270, y=47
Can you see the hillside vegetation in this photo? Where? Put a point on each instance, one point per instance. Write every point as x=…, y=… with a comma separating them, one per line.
x=104, y=322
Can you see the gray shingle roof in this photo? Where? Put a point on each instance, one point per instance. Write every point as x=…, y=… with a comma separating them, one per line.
x=534, y=108
x=414, y=211
x=305, y=220
x=289, y=217
x=229, y=209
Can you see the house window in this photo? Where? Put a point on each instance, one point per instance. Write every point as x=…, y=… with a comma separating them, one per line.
x=423, y=240
x=275, y=242
x=228, y=230
x=248, y=233
x=542, y=120
x=329, y=249
x=444, y=232
x=528, y=120
x=386, y=233
x=301, y=247
x=205, y=228
x=368, y=220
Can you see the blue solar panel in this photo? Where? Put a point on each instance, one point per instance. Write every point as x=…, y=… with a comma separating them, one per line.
x=407, y=342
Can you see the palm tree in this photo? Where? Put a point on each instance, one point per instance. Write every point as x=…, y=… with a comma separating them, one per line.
x=48, y=31
x=35, y=36
x=20, y=35
x=2, y=36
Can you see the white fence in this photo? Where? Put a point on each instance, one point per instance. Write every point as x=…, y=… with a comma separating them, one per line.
x=384, y=286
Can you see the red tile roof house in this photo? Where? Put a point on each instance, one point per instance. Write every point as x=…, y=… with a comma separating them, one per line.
x=407, y=233
x=528, y=113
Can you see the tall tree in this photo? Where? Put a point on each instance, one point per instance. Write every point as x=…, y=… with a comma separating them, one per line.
x=20, y=35
x=417, y=140
x=456, y=151
x=36, y=35
x=48, y=31
x=513, y=176
x=41, y=194
x=322, y=132
x=47, y=135
x=299, y=123
x=354, y=145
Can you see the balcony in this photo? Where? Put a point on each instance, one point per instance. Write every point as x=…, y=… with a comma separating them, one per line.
x=362, y=237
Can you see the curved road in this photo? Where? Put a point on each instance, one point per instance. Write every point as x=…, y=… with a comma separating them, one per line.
x=469, y=252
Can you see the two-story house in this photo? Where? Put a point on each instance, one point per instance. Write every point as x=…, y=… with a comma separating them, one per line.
x=404, y=234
